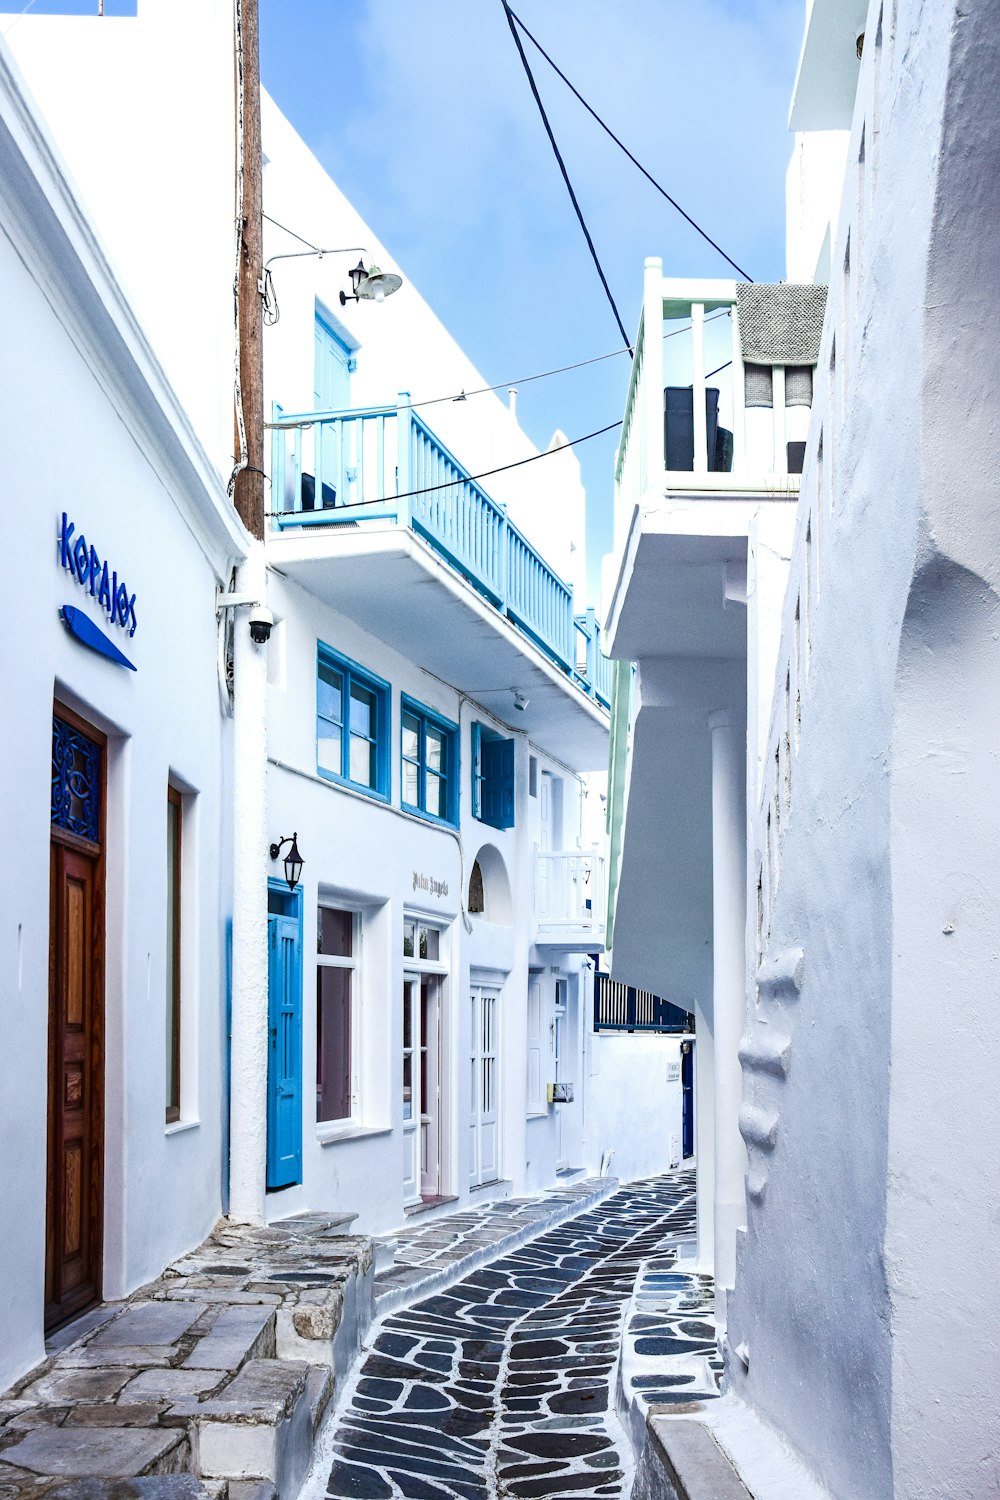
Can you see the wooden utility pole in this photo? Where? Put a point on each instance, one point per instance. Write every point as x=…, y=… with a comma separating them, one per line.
x=248, y=492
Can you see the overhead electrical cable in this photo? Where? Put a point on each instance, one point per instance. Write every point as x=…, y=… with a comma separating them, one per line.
x=513, y=17
x=565, y=174
x=506, y=385
x=449, y=484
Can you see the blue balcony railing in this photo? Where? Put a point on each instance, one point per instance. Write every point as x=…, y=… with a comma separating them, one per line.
x=383, y=463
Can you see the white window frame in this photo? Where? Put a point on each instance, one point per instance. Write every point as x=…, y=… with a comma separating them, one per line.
x=330, y=1129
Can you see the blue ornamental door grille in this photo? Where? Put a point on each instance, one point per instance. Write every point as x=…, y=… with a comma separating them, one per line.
x=284, y=1058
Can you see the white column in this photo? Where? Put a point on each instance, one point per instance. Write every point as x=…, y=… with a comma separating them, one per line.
x=248, y=1058
x=728, y=985
x=704, y=1136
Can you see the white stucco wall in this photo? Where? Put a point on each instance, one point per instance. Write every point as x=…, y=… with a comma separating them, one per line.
x=400, y=346
x=634, y=1104
x=97, y=433
x=867, y=1275
x=365, y=852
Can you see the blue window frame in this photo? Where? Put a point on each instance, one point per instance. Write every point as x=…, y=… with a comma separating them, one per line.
x=492, y=777
x=352, y=724
x=429, y=765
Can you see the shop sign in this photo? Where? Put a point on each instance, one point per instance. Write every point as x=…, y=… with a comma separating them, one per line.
x=92, y=573
x=429, y=884
x=85, y=565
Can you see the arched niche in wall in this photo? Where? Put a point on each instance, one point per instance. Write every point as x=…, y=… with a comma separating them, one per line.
x=489, y=894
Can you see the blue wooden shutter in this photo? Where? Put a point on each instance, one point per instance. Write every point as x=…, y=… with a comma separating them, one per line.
x=284, y=1055
x=498, y=783
x=477, y=771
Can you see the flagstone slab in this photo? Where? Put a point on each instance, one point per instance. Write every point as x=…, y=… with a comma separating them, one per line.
x=237, y=1334
x=169, y=1385
x=149, y=1324
x=98, y=1452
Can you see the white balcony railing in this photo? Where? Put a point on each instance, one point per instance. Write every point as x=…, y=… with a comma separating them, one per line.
x=757, y=461
x=570, y=897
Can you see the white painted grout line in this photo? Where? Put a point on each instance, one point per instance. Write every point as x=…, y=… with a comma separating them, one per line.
x=395, y=1298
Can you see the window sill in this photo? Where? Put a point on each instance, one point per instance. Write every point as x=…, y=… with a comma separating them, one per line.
x=359, y=787
x=427, y=817
x=178, y=1127
x=537, y=1114
x=330, y=1135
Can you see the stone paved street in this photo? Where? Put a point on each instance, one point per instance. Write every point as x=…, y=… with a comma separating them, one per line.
x=505, y=1384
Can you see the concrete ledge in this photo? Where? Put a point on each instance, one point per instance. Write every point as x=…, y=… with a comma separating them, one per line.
x=682, y=1461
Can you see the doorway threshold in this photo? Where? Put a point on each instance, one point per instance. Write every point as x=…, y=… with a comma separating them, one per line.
x=428, y=1203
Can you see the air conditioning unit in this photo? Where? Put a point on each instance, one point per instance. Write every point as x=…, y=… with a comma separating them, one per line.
x=560, y=1093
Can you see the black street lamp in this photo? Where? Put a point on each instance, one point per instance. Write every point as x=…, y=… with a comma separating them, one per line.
x=293, y=859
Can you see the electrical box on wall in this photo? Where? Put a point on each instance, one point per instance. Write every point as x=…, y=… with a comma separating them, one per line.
x=560, y=1093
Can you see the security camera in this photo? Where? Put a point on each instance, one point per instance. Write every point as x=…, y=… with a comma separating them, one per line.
x=520, y=702
x=261, y=625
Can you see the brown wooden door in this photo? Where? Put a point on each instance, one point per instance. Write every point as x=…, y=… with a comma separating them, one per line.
x=74, y=1188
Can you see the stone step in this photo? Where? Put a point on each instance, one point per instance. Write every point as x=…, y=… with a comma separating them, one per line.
x=240, y=1333
x=149, y=1487
x=259, y=1427
x=682, y=1461
x=100, y=1452
x=251, y=1489
x=319, y=1394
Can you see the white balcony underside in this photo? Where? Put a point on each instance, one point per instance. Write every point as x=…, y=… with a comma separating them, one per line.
x=392, y=584
x=678, y=587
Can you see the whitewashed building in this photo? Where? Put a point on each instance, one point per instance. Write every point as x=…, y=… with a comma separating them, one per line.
x=860, y=1312
x=114, y=768
x=436, y=699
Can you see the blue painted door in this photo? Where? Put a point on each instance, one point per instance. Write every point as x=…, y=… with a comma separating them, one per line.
x=332, y=392
x=284, y=1057
x=687, y=1100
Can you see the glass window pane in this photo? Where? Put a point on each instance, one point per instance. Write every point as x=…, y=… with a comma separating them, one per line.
x=437, y=795
x=409, y=928
x=411, y=783
x=430, y=941
x=329, y=747
x=330, y=694
x=407, y=1085
x=333, y=1043
x=362, y=711
x=411, y=737
x=437, y=749
x=363, y=761
x=335, y=932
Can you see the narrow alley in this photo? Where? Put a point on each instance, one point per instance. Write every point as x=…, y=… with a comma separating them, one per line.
x=507, y=1383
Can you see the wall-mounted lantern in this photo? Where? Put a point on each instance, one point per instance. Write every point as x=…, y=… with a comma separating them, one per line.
x=293, y=859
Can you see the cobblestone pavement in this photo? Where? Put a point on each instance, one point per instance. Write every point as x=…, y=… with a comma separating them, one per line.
x=504, y=1384
x=437, y=1250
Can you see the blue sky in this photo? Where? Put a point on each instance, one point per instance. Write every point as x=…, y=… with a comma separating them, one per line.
x=421, y=113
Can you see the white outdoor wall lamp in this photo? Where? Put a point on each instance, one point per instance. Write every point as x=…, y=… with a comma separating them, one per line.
x=293, y=860
x=371, y=285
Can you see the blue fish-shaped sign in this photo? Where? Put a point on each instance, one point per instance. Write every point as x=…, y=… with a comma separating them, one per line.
x=83, y=627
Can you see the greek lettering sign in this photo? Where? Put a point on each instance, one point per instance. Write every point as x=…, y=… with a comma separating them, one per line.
x=92, y=573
